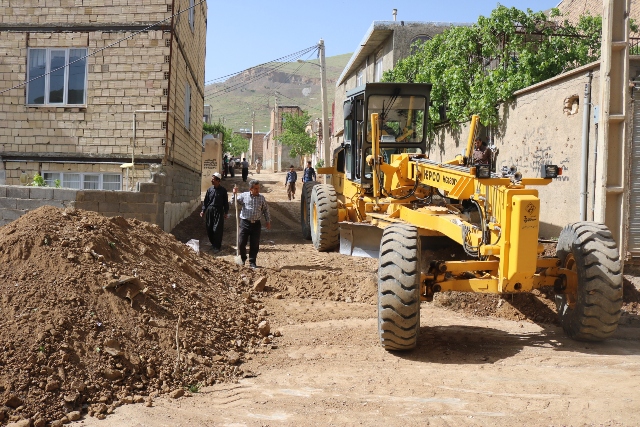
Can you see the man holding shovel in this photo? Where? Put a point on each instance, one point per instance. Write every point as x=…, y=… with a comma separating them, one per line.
x=254, y=206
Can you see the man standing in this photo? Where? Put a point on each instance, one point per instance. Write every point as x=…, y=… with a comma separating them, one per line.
x=290, y=183
x=245, y=169
x=258, y=165
x=309, y=173
x=481, y=153
x=216, y=209
x=254, y=206
x=232, y=167
x=225, y=162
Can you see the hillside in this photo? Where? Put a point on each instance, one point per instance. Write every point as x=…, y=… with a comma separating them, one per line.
x=254, y=90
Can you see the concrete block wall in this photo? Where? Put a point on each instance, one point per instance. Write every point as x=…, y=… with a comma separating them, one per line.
x=171, y=197
x=187, y=67
x=572, y=10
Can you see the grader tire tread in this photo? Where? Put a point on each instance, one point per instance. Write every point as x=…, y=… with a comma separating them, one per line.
x=399, y=287
x=597, y=310
x=326, y=233
x=305, y=208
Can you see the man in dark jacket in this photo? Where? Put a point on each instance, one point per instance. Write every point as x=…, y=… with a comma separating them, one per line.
x=216, y=209
x=245, y=169
x=309, y=173
x=290, y=183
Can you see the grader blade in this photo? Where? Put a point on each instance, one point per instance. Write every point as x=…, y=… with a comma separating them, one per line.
x=361, y=240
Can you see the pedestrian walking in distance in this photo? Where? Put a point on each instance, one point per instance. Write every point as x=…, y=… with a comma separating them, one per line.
x=258, y=165
x=245, y=169
x=232, y=168
x=309, y=173
x=290, y=183
x=215, y=209
x=254, y=206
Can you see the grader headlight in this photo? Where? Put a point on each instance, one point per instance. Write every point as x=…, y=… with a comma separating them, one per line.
x=550, y=171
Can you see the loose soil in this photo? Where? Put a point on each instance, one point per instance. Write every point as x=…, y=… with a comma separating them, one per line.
x=481, y=360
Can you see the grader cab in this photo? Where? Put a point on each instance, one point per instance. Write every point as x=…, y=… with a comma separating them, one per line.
x=388, y=199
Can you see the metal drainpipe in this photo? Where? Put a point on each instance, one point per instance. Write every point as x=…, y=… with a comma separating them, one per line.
x=585, y=148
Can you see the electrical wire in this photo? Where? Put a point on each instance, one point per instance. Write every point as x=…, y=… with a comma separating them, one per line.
x=104, y=48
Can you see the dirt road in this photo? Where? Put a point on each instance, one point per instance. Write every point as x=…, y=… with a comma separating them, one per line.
x=469, y=369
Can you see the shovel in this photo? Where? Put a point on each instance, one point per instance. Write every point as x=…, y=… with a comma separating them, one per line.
x=238, y=258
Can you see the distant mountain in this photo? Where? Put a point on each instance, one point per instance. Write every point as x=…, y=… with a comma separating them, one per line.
x=255, y=90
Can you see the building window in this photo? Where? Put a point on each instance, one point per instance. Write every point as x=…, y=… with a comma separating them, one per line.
x=187, y=106
x=360, y=77
x=192, y=14
x=85, y=181
x=377, y=77
x=57, y=76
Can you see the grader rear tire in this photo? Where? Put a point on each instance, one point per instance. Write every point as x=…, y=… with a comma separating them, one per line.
x=399, y=287
x=305, y=208
x=592, y=312
x=324, y=218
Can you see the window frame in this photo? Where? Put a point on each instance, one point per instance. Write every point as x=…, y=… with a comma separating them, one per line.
x=47, y=77
x=377, y=70
x=192, y=15
x=187, y=107
x=51, y=176
x=360, y=77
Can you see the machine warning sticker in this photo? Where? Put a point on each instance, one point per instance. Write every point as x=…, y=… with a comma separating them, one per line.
x=530, y=208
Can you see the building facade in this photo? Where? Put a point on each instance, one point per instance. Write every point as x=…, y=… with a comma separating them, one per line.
x=112, y=88
x=384, y=44
x=277, y=157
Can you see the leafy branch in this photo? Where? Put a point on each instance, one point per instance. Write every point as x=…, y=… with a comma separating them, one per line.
x=295, y=136
x=474, y=68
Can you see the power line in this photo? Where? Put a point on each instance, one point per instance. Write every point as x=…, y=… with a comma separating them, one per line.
x=303, y=51
x=239, y=85
x=106, y=47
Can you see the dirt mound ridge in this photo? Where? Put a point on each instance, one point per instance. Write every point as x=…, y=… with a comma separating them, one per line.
x=90, y=306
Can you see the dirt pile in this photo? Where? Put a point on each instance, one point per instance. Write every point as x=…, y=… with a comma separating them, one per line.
x=91, y=309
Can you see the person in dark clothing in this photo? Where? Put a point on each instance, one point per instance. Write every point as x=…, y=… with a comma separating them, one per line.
x=245, y=169
x=290, y=183
x=254, y=207
x=225, y=170
x=481, y=153
x=309, y=173
x=215, y=209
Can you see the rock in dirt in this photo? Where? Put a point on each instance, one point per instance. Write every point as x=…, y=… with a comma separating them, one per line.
x=259, y=283
x=21, y=423
x=13, y=401
x=74, y=416
x=264, y=328
x=176, y=393
x=233, y=357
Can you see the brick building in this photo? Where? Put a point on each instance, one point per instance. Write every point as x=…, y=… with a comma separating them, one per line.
x=276, y=157
x=91, y=69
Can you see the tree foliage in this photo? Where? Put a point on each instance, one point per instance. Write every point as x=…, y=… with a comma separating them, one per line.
x=231, y=142
x=474, y=68
x=294, y=134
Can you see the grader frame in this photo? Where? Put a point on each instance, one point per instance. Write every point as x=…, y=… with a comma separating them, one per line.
x=385, y=190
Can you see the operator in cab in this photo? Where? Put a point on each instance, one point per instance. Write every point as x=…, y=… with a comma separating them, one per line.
x=481, y=153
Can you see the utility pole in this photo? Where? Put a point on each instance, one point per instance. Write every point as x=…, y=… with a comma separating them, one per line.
x=253, y=120
x=275, y=132
x=326, y=138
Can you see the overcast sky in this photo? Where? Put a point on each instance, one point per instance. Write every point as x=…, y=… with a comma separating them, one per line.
x=244, y=33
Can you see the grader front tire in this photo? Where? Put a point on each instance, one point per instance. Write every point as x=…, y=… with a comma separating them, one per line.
x=305, y=208
x=399, y=287
x=324, y=218
x=592, y=311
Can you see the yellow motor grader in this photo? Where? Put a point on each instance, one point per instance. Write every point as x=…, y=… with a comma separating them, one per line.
x=388, y=199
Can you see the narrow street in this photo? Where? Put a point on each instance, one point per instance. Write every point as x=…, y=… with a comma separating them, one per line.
x=328, y=368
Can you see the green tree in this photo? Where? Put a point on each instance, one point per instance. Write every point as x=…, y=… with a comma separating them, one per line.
x=231, y=142
x=294, y=134
x=474, y=68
